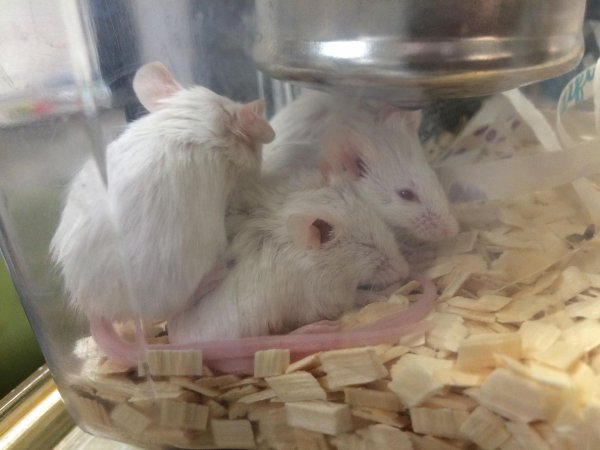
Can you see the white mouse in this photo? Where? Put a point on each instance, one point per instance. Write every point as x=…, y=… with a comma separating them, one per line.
x=170, y=176
x=377, y=146
x=303, y=256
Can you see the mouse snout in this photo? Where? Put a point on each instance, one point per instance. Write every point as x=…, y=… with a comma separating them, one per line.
x=450, y=227
x=434, y=227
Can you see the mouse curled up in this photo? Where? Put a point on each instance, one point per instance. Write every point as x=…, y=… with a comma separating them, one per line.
x=296, y=260
x=170, y=179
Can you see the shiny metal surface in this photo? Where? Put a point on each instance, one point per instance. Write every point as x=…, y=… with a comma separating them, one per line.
x=413, y=51
x=33, y=415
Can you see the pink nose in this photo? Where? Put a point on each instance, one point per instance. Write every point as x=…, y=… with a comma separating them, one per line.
x=452, y=228
x=448, y=232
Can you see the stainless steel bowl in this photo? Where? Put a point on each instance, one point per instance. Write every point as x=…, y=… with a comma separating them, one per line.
x=415, y=51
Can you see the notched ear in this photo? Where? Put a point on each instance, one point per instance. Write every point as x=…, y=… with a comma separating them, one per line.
x=252, y=124
x=310, y=231
x=344, y=151
x=153, y=83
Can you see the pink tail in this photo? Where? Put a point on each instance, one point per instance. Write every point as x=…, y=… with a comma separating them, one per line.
x=237, y=355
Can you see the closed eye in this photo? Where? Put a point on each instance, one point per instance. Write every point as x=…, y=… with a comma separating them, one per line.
x=408, y=195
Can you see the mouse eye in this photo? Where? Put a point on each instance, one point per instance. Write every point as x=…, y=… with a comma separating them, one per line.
x=408, y=195
x=362, y=168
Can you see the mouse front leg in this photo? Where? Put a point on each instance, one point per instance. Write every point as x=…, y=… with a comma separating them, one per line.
x=211, y=280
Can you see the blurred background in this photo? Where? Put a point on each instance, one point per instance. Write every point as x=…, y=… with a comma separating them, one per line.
x=19, y=352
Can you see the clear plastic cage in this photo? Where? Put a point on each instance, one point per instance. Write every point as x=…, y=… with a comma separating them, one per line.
x=393, y=244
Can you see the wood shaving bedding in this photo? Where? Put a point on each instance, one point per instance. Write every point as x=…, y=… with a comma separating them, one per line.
x=511, y=360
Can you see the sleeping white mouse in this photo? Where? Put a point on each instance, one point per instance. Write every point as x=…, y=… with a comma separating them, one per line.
x=304, y=255
x=170, y=176
x=377, y=146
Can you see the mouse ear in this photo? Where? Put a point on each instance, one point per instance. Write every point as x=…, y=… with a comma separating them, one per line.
x=252, y=124
x=153, y=83
x=344, y=151
x=410, y=119
x=310, y=231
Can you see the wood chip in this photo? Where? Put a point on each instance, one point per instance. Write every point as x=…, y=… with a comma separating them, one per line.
x=380, y=416
x=485, y=429
x=585, y=382
x=458, y=378
x=447, y=332
x=451, y=400
x=194, y=386
x=309, y=440
x=92, y=411
x=172, y=437
x=307, y=363
x=426, y=362
x=172, y=362
x=439, y=422
x=232, y=433
x=559, y=318
x=549, y=376
x=268, y=363
x=561, y=355
x=478, y=316
x=118, y=386
x=537, y=337
x=184, y=415
x=411, y=286
x=461, y=243
x=414, y=384
x=512, y=240
x=517, y=397
x=586, y=307
x=457, y=277
x=238, y=410
x=478, y=351
x=487, y=303
x=259, y=396
x=431, y=443
x=371, y=398
x=319, y=416
x=526, y=437
x=393, y=353
x=130, y=419
x=296, y=387
x=585, y=333
x=572, y=282
x=218, y=382
x=108, y=366
x=353, y=366
x=216, y=410
x=523, y=309
x=384, y=437
x=233, y=395
x=274, y=429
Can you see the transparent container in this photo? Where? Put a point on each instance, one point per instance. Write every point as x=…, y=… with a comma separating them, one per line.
x=379, y=277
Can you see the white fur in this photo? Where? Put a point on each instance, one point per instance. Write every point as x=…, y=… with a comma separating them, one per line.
x=392, y=153
x=170, y=175
x=275, y=285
